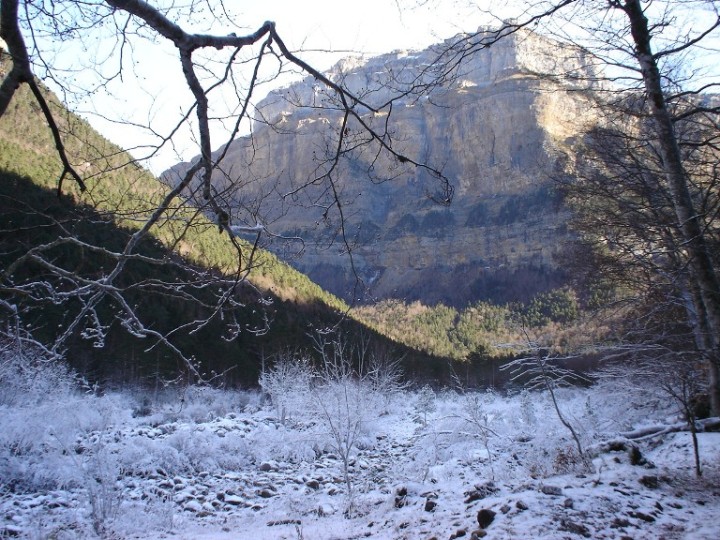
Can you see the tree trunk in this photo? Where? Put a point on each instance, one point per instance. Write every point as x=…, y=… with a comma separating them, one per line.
x=691, y=229
x=20, y=71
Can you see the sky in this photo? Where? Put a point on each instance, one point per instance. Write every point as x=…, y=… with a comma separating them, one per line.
x=154, y=92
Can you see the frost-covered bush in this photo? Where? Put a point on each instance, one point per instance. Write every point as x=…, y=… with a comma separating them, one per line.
x=383, y=373
x=204, y=403
x=275, y=442
x=641, y=399
x=528, y=414
x=425, y=403
x=40, y=443
x=28, y=376
x=349, y=393
x=501, y=437
x=464, y=431
x=46, y=424
x=192, y=403
x=287, y=382
x=543, y=446
x=345, y=405
x=201, y=450
x=101, y=473
x=142, y=455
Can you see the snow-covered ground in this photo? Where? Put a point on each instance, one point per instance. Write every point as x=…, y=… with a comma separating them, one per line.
x=207, y=464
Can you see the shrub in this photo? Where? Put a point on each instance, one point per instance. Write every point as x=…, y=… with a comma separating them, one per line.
x=287, y=382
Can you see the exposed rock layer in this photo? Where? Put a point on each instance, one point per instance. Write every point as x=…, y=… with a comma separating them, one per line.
x=495, y=131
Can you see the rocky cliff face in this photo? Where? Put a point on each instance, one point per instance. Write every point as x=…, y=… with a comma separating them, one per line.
x=495, y=131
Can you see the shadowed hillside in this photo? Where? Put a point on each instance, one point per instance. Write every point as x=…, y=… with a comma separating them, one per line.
x=282, y=305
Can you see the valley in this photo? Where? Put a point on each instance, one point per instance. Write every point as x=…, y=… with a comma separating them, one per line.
x=467, y=291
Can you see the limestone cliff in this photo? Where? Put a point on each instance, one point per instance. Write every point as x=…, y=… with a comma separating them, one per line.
x=494, y=130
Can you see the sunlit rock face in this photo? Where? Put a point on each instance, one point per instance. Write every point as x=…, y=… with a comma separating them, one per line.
x=495, y=129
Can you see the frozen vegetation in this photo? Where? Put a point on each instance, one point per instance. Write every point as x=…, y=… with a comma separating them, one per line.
x=340, y=455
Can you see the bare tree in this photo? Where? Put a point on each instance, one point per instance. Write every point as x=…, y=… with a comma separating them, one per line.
x=654, y=56
x=703, y=279
x=624, y=211
x=670, y=370
x=287, y=382
x=351, y=389
x=541, y=369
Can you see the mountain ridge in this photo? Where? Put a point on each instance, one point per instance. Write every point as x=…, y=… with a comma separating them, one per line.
x=496, y=129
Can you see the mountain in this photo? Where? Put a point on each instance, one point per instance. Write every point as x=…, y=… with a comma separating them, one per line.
x=32, y=213
x=497, y=130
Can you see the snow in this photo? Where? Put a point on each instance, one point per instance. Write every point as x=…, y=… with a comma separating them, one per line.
x=220, y=465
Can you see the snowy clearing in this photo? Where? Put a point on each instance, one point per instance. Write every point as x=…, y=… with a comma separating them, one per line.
x=216, y=464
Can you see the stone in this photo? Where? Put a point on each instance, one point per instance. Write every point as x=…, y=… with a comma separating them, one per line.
x=619, y=523
x=636, y=457
x=485, y=517
x=480, y=492
x=266, y=493
x=551, y=490
x=430, y=505
x=313, y=484
x=11, y=531
x=234, y=500
x=193, y=505
x=575, y=528
x=400, y=497
x=649, y=481
x=642, y=515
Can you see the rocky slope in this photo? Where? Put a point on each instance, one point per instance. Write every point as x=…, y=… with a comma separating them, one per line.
x=495, y=130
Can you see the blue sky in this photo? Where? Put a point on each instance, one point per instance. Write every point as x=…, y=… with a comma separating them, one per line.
x=153, y=90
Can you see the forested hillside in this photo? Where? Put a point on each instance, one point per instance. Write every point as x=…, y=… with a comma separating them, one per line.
x=281, y=306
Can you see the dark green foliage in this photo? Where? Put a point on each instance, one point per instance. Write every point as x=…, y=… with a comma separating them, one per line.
x=31, y=215
x=559, y=305
x=477, y=331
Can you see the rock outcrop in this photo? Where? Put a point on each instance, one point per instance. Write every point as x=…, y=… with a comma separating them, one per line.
x=496, y=129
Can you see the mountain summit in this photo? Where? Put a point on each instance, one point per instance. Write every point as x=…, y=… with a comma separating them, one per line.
x=495, y=129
